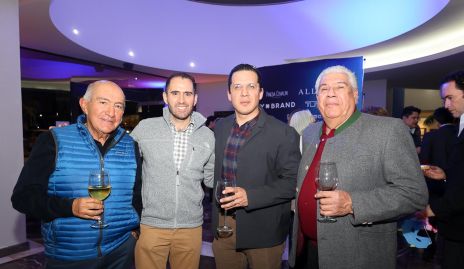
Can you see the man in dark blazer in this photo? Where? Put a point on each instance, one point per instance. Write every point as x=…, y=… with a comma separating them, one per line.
x=374, y=189
x=437, y=146
x=262, y=155
x=449, y=209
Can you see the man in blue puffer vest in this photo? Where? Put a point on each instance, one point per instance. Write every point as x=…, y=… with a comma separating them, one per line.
x=53, y=185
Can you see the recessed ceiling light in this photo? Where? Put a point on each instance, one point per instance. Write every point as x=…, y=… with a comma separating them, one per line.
x=192, y=64
x=136, y=78
x=75, y=31
x=131, y=53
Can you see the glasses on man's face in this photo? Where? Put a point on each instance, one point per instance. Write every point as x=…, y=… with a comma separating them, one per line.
x=325, y=89
x=249, y=86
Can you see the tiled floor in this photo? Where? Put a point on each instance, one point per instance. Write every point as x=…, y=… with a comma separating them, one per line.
x=408, y=258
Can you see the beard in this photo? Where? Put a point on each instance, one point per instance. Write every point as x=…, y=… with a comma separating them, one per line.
x=180, y=115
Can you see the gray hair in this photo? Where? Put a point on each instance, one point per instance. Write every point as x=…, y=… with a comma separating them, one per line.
x=301, y=119
x=338, y=69
x=89, y=92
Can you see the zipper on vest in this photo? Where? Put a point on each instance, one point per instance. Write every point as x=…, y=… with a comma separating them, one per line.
x=100, y=238
x=177, y=198
x=102, y=169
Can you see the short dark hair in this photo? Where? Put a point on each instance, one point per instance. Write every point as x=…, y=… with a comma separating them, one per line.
x=244, y=67
x=407, y=111
x=443, y=116
x=457, y=77
x=181, y=75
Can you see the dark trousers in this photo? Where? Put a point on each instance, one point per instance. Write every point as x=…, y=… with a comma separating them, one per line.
x=453, y=255
x=308, y=257
x=120, y=258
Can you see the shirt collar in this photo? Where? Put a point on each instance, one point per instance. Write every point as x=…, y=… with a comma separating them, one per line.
x=249, y=123
x=461, y=124
x=190, y=125
x=352, y=119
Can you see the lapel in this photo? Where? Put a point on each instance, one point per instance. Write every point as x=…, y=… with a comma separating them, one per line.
x=223, y=133
x=460, y=138
x=310, y=143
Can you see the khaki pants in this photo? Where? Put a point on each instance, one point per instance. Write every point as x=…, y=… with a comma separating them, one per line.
x=155, y=245
x=227, y=257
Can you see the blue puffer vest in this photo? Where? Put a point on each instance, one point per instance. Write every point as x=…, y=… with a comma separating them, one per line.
x=72, y=238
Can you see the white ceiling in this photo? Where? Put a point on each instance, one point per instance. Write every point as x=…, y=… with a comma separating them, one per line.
x=170, y=28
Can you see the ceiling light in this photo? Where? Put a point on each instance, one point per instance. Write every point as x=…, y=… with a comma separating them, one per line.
x=192, y=64
x=75, y=31
x=131, y=53
x=136, y=78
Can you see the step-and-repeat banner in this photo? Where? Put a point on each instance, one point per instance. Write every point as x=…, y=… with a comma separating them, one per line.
x=290, y=87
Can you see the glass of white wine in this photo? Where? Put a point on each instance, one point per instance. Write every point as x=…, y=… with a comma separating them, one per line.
x=99, y=188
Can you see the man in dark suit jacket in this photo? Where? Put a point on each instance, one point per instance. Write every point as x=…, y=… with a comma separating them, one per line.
x=437, y=146
x=262, y=155
x=449, y=209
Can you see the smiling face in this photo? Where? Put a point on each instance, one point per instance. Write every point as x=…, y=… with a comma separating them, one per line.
x=244, y=94
x=453, y=98
x=336, y=99
x=181, y=99
x=104, y=109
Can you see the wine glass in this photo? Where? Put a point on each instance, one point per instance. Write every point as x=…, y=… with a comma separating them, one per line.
x=221, y=185
x=99, y=188
x=327, y=180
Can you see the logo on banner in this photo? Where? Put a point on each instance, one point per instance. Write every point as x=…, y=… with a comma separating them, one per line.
x=278, y=105
x=276, y=94
x=305, y=91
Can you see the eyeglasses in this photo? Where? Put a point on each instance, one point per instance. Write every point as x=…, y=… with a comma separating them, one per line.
x=340, y=87
x=249, y=86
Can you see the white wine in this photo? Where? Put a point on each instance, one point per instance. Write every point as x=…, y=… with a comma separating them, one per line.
x=100, y=193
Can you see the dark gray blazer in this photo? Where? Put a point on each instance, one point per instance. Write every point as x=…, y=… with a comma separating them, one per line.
x=267, y=166
x=378, y=166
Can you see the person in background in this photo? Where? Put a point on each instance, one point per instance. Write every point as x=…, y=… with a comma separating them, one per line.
x=301, y=119
x=436, y=148
x=53, y=186
x=410, y=116
x=375, y=187
x=449, y=208
x=261, y=154
x=178, y=156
